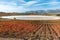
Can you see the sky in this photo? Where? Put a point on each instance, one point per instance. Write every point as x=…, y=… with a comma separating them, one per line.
x=28, y=5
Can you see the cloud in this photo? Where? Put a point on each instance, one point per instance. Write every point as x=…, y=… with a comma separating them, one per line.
x=12, y=6
x=23, y=5
x=8, y=3
x=22, y=1
x=6, y=8
x=47, y=4
x=29, y=3
x=9, y=8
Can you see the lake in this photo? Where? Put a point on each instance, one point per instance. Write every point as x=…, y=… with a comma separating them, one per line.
x=32, y=17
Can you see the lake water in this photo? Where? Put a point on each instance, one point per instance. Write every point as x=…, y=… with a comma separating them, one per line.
x=32, y=17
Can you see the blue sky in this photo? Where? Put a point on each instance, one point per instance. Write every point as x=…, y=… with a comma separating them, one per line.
x=28, y=5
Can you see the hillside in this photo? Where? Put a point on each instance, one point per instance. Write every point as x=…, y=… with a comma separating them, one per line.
x=37, y=12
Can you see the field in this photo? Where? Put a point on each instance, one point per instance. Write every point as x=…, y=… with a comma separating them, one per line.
x=30, y=30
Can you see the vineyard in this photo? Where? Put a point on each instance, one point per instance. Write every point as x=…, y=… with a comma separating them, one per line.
x=30, y=30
